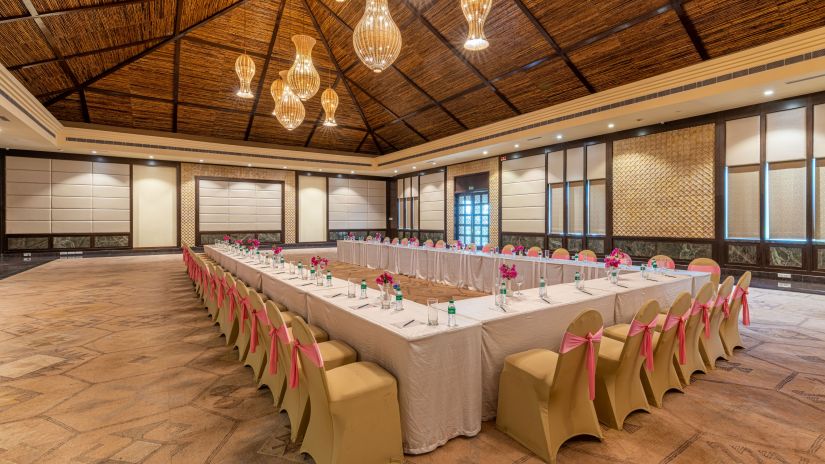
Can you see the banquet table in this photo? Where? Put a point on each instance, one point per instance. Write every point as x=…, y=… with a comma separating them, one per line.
x=438, y=368
x=475, y=270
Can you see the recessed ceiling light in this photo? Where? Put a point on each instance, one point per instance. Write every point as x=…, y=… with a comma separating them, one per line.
x=433, y=163
x=484, y=152
x=200, y=161
x=395, y=171
x=767, y=93
x=611, y=126
x=94, y=152
x=249, y=165
x=151, y=157
x=319, y=169
x=558, y=137
x=414, y=168
x=516, y=145
x=352, y=172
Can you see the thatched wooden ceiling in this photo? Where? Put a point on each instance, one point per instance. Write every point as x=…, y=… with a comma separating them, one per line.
x=168, y=65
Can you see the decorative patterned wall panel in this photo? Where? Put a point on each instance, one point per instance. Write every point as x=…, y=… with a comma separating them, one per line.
x=663, y=184
x=188, y=171
x=489, y=165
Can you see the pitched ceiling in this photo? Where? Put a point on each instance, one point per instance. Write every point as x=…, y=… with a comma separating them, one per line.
x=168, y=65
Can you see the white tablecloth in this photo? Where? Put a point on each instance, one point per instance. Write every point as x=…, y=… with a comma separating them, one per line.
x=438, y=369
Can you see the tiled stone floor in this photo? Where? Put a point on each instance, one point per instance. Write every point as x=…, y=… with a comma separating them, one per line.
x=113, y=360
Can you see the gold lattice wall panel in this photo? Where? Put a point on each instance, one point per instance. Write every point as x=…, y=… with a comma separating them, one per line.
x=188, y=171
x=663, y=184
x=484, y=165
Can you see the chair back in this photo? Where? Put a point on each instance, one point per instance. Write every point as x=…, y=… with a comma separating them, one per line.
x=258, y=320
x=560, y=253
x=405, y=241
x=508, y=249
x=315, y=376
x=633, y=353
x=369, y=238
x=395, y=241
x=282, y=348
x=386, y=240
x=571, y=381
x=587, y=255
x=428, y=243
x=534, y=251
x=472, y=247
x=485, y=248
x=707, y=265
x=440, y=244
x=738, y=301
x=662, y=261
x=677, y=315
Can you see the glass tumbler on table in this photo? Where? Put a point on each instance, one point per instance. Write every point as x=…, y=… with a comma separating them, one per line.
x=432, y=311
x=352, y=287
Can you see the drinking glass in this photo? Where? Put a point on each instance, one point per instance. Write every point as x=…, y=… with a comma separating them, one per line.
x=519, y=283
x=432, y=311
x=352, y=287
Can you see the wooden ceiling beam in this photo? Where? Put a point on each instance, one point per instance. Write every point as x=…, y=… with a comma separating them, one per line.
x=54, y=47
x=690, y=29
x=361, y=144
x=87, y=53
x=342, y=76
x=392, y=113
x=400, y=72
x=71, y=10
x=176, y=66
x=618, y=28
x=438, y=35
x=262, y=80
x=142, y=54
x=554, y=45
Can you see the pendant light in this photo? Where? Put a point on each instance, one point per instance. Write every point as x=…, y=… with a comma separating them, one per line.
x=289, y=110
x=276, y=89
x=476, y=11
x=376, y=38
x=329, y=101
x=245, y=69
x=303, y=78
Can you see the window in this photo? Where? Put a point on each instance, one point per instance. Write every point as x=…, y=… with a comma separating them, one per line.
x=596, y=207
x=787, y=193
x=472, y=217
x=819, y=200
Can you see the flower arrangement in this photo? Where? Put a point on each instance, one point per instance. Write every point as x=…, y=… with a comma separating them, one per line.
x=239, y=242
x=226, y=238
x=519, y=250
x=508, y=272
x=319, y=262
x=413, y=241
x=254, y=243
x=459, y=245
x=384, y=279
x=277, y=250
x=351, y=236
x=377, y=237
x=615, y=258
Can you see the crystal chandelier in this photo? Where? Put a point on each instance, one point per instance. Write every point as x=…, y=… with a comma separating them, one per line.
x=476, y=12
x=329, y=101
x=303, y=78
x=245, y=69
x=377, y=40
x=289, y=110
x=276, y=89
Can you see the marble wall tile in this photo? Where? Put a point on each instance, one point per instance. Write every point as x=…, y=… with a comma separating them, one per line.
x=636, y=248
x=526, y=241
x=742, y=254
x=785, y=256
x=112, y=241
x=434, y=236
x=28, y=243
x=597, y=245
x=71, y=242
x=684, y=250
x=820, y=252
x=574, y=245
x=554, y=242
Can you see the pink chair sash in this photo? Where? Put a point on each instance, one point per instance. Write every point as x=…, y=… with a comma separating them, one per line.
x=221, y=285
x=587, y=258
x=311, y=351
x=557, y=255
x=233, y=296
x=646, y=349
x=281, y=333
x=257, y=315
x=572, y=341
x=705, y=310
x=680, y=322
x=705, y=268
x=742, y=293
x=246, y=306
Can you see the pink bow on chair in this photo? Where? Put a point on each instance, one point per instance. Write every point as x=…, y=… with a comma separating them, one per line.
x=680, y=321
x=232, y=293
x=274, y=334
x=312, y=352
x=705, y=309
x=221, y=285
x=746, y=315
x=646, y=349
x=258, y=315
x=572, y=341
x=246, y=306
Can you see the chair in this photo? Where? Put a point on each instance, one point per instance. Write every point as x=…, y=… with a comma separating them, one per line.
x=546, y=398
x=472, y=247
x=587, y=255
x=355, y=417
x=729, y=330
x=228, y=304
x=369, y=238
x=663, y=377
x=405, y=241
x=256, y=358
x=440, y=244
x=534, y=251
x=560, y=253
x=508, y=249
x=215, y=281
x=707, y=265
x=691, y=360
x=395, y=241
x=428, y=243
x=710, y=343
x=386, y=240
x=241, y=314
x=662, y=261
x=619, y=389
x=485, y=248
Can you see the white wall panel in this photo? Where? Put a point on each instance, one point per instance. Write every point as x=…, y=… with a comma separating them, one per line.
x=523, y=195
x=155, y=205
x=557, y=208
x=432, y=201
x=785, y=135
x=312, y=209
x=235, y=206
x=819, y=131
x=742, y=141
x=357, y=204
x=575, y=164
x=596, y=161
x=555, y=167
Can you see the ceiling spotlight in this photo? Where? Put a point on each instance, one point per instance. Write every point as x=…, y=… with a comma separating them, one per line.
x=94, y=152
x=200, y=161
x=558, y=137
x=414, y=168
x=485, y=152
x=516, y=145
x=319, y=169
x=352, y=172
x=611, y=126
x=151, y=157
x=249, y=165
x=767, y=93
x=395, y=171
x=433, y=162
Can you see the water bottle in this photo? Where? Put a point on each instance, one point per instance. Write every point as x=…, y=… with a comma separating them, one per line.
x=576, y=257
x=399, y=300
x=644, y=270
x=542, y=288
x=363, y=289
x=502, y=292
x=312, y=273
x=578, y=280
x=301, y=270
x=283, y=262
x=451, y=322
x=655, y=266
x=257, y=257
x=329, y=278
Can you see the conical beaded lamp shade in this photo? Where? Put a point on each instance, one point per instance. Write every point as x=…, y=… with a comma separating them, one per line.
x=303, y=78
x=476, y=11
x=245, y=69
x=276, y=89
x=376, y=38
x=329, y=101
x=289, y=110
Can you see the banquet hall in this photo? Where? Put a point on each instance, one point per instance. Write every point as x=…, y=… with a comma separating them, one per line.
x=412, y=231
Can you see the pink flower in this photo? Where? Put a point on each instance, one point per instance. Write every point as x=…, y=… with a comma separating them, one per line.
x=519, y=249
x=508, y=272
x=319, y=262
x=238, y=242
x=277, y=250
x=384, y=278
x=226, y=238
